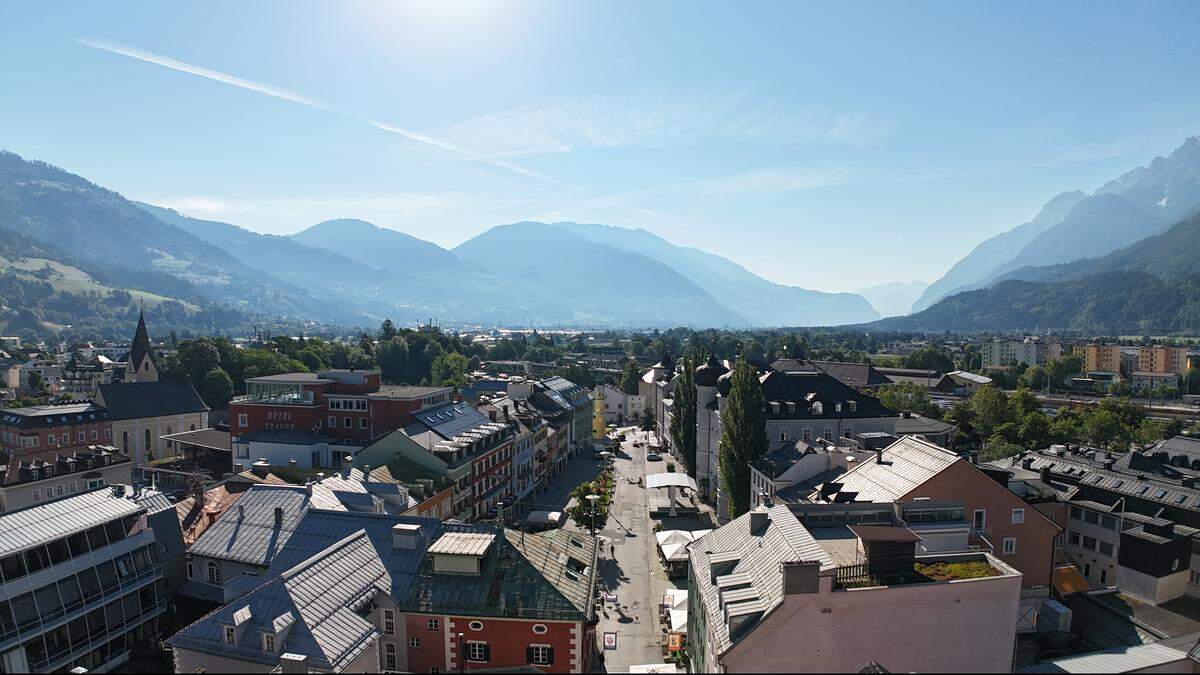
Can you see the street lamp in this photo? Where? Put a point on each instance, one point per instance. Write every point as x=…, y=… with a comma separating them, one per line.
x=462, y=658
x=593, y=499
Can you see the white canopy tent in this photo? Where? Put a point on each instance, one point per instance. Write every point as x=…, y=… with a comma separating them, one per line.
x=673, y=543
x=672, y=481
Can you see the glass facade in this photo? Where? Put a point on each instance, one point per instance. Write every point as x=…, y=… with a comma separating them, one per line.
x=102, y=602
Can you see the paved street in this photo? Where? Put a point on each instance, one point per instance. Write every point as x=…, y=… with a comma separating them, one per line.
x=635, y=575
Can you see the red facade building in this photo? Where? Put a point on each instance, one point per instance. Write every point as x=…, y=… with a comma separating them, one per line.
x=341, y=404
x=40, y=428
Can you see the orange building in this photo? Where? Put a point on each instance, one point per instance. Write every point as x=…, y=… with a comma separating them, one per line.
x=1163, y=359
x=1105, y=358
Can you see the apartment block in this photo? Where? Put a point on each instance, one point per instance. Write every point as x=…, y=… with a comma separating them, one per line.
x=1102, y=358
x=1162, y=359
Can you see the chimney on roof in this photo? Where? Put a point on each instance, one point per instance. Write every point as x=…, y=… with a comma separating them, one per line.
x=1046, y=474
x=261, y=468
x=801, y=576
x=291, y=462
x=293, y=664
x=879, y=455
x=278, y=516
x=405, y=536
x=366, y=472
x=1027, y=463
x=1109, y=462
x=1189, y=481
x=758, y=521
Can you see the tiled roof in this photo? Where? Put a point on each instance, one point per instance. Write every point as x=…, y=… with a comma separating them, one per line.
x=908, y=463
x=140, y=400
x=758, y=555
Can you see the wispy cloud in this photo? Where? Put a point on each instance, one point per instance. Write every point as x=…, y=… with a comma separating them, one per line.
x=679, y=121
x=294, y=97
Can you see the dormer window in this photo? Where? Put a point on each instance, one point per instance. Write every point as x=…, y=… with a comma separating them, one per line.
x=817, y=408
x=230, y=635
x=837, y=407
x=268, y=641
x=853, y=405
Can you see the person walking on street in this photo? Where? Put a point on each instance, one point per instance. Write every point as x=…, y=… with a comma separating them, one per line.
x=612, y=551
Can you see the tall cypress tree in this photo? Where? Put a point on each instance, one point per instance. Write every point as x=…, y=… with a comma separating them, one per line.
x=744, y=436
x=683, y=414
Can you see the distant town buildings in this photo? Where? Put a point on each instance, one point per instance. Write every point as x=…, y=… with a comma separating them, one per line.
x=1029, y=352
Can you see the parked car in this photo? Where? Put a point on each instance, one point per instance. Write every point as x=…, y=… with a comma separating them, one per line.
x=653, y=457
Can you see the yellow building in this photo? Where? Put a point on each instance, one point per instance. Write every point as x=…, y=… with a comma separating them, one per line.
x=1099, y=357
x=1162, y=359
x=598, y=428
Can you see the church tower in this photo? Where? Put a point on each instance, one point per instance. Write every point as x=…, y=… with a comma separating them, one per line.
x=139, y=363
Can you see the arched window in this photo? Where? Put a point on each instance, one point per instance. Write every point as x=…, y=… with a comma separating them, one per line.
x=147, y=440
x=125, y=441
x=193, y=427
x=214, y=573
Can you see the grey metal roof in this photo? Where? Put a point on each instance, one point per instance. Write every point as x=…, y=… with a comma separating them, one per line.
x=757, y=556
x=908, y=463
x=247, y=533
x=1116, y=660
x=335, y=561
x=205, y=438
x=24, y=529
x=139, y=400
x=323, y=591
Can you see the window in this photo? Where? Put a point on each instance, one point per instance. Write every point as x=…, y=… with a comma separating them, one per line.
x=347, y=423
x=362, y=423
x=37, y=495
x=432, y=624
x=243, y=420
x=1058, y=541
x=1076, y=512
x=1193, y=577
x=414, y=643
x=479, y=651
x=1106, y=548
x=1018, y=516
x=1073, y=537
x=979, y=519
x=82, y=437
x=540, y=655
x=539, y=628
x=58, y=490
x=1091, y=517
x=1103, y=576
x=230, y=635
x=389, y=656
x=1010, y=545
x=191, y=574
x=95, y=434
x=1089, y=543
x=74, y=487
x=268, y=642
x=214, y=573
x=389, y=622
x=1108, y=522
x=332, y=421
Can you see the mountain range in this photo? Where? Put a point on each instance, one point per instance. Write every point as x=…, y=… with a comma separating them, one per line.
x=351, y=272
x=1074, y=226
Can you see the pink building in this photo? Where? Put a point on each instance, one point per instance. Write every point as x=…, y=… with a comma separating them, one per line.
x=766, y=595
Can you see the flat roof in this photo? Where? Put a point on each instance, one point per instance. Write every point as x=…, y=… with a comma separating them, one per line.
x=214, y=439
x=24, y=529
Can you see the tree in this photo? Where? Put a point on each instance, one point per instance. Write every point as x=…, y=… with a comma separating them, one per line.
x=449, y=370
x=393, y=360
x=36, y=383
x=1191, y=381
x=387, y=331
x=962, y=416
x=217, y=389
x=647, y=421
x=929, y=358
x=1102, y=428
x=908, y=397
x=990, y=406
x=1034, y=431
x=630, y=378
x=1034, y=378
x=1022, y=402
x=683, y=415
x=744, y=437
x=589, y=514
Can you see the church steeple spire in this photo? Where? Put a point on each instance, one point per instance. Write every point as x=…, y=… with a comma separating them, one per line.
x=139, y=365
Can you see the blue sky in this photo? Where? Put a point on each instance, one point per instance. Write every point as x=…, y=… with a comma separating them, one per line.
x=830, y=146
